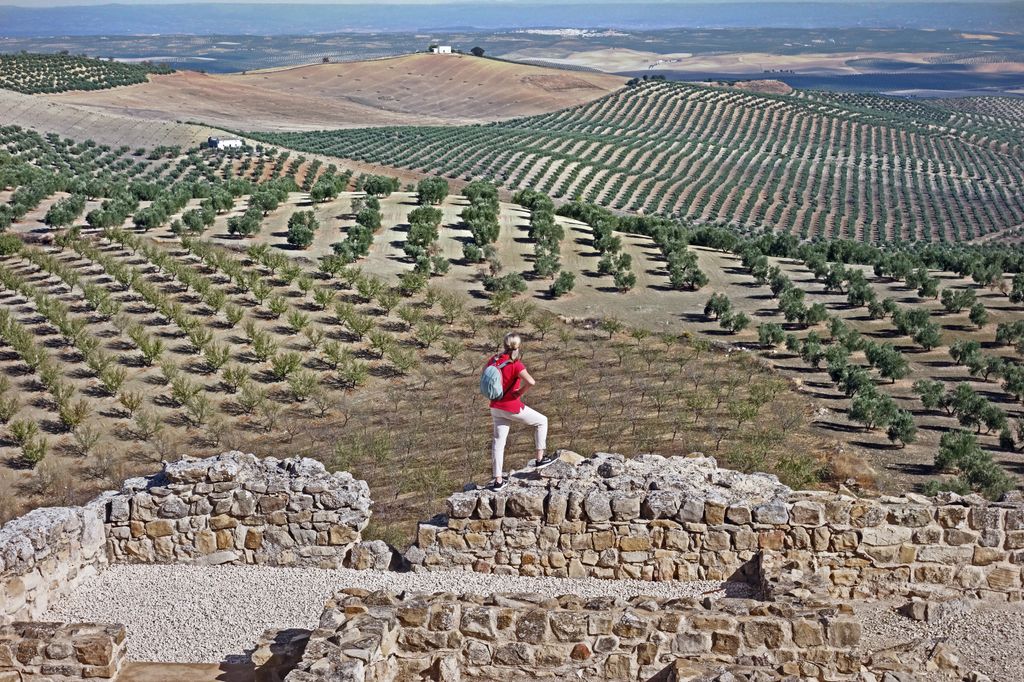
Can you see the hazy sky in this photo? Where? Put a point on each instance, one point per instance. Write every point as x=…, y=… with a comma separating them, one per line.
x=58, y=3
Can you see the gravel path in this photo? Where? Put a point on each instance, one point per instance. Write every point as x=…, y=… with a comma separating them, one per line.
x=987, y=636
x=198, y=614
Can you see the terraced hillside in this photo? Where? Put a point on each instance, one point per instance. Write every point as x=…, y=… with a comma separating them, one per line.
x=818, y=166
x=49, y=73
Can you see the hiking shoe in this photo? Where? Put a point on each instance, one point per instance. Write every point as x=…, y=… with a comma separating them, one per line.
x=495, y=486
x=546, y=460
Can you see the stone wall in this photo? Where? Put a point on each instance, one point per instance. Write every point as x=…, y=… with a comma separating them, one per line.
x=381, y=637
x=55, y=652
x=238, y=509
x=657, y=518
x=234, y=508
x=44, y=554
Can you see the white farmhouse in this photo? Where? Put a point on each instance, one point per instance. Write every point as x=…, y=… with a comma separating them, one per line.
x=217, y=143
x=441, y=49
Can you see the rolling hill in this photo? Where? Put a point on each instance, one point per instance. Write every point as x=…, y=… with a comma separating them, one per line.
x=813, y=164
x=418, y=89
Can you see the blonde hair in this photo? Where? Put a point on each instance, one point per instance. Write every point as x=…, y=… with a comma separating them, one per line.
x=513, y=345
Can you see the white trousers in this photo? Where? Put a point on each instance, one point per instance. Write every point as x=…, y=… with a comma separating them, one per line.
x=503, y=421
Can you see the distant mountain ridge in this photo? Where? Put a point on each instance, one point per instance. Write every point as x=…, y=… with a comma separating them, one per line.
x=281, y=19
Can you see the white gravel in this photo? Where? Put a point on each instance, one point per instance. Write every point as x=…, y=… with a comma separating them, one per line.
x=987, y=636
x=199, y=614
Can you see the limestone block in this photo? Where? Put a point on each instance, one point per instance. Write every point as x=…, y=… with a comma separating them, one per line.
x=1014, y=539
x=244, y=504
x=557, y=507
x=807, y=633
x=480, y=622
x=635, y=543
x=1004, y=578
x=225, y=556
x=984, y=517
x=513, y=654
x=630, y=626
x=969, y=577
x=677, y=540
x=807, y=514
x=984, y=556
x=597, y=506
x=951, y=516
x=744, y=538
x=844, y=541
x=606, y=644
x=94, y=650
x=119, y=510
x=569, y=626
x=910, y=516
x=477, y=653
x=844, y=633
x=526, y=504
x=763, y=633
x=946, y=555
x=661, y=504
x=159, y=529
x=727, y=643
x=866, y=514
x=771, y=539
x=444, y=616
x=222, y=522
x=738, y=514
x=172, y=507
x=885, y=535
x=716, y=540
x=602, y=540
x=928, y=535
x=625, y=507
x=771, y=513
x=691, y=510
x=714, y=513
x=620, y=667
x=691, y=643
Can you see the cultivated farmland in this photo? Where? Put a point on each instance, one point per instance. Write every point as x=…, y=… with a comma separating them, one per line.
x=49, y=73
x=816, y=166
x=418, y=89
x=124, y=343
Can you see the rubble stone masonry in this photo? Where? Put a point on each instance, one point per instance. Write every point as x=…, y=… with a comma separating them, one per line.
x=657, y=518
x=382, y=637
x=230, y=509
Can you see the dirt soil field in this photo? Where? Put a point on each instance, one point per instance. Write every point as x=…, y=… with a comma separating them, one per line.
x=655, y=306
x=418, y=89
x=111, y=127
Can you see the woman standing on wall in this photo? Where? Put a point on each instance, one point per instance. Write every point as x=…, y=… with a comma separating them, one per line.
x=507, y=407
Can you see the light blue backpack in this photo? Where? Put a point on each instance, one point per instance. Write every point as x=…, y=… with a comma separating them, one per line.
x=491, y=385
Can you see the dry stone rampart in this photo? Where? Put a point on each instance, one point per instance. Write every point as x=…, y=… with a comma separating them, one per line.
x=238, y=509
x=57, y=652
x=382, y=637
x=230, y=509
x=657, y=518
x=44, y=554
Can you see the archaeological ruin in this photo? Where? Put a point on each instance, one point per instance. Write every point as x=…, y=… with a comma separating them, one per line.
x=806, y=559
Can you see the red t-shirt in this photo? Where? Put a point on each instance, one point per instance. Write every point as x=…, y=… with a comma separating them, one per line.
x=511, y=381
